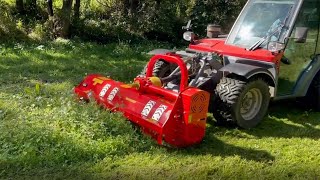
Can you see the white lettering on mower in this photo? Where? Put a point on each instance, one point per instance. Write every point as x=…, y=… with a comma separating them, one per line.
x=147, y=108
x=104, y=90
x=113, y=94
x=157, y=115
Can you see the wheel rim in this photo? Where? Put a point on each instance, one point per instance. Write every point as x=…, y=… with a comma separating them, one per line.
x=251, y=104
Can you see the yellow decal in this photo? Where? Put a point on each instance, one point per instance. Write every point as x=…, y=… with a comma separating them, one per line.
x=104, y=78
x=126, y=86
x=190, y=118
x=97, y=81
x=165, y=101
x=131, y=100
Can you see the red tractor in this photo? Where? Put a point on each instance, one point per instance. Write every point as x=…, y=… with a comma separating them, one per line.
x=271, y=53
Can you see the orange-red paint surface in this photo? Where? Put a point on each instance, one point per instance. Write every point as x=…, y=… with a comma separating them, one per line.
x=179, y=119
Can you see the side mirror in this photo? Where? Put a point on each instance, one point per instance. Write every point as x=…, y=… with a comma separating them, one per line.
x=189, y=36
x=301, y=34
x=275, y=47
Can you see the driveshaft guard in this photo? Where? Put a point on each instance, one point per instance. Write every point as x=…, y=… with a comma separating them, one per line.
x=180, y=122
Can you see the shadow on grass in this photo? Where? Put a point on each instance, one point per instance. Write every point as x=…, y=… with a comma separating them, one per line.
x=216, y=147
x=286, y=119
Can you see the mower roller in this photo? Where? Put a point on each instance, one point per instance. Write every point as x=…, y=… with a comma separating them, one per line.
x=178, y=118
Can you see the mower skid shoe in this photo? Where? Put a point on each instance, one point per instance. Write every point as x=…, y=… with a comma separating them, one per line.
x=180, y=121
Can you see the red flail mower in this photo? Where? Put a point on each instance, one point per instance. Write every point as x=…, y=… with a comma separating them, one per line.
x=271, y=53
x=177, y=118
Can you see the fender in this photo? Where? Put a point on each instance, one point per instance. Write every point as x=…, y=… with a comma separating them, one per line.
x=249, y=69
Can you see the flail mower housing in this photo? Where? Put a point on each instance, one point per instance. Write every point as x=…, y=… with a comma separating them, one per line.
x=177, y=118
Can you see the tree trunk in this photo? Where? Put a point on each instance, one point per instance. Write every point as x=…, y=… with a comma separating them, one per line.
x=65, y=18
x=157, y=9
x=50, y=8
x=126, y=6
x=77, y=10
x=31, y=6
x=133, y=6
x=19, y=6
x=158, y=2
x=50, y=21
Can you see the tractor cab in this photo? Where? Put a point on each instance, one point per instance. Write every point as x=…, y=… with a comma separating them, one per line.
x=279, y=33
x=288, y=27
x=260, y=23
x=273, y=41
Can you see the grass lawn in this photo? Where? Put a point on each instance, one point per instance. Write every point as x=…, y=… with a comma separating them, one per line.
x=46, y=134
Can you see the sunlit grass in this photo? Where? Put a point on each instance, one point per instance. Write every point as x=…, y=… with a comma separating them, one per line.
x=47, y=134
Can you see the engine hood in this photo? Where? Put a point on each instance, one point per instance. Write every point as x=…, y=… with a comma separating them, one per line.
x=218, y=46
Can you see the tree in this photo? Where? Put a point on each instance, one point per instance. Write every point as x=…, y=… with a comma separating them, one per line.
x=31, y=7
x=50, y=22
x=19, y=6
x=50, y=8
x=76, y=10
x=126, y=6
x=222, y=12
x=60, y=22
x=65, y=18
x=134, y=6
x=130, y=6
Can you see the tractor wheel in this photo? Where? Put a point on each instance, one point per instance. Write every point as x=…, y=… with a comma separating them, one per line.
x=240, y=103
x=160, y=69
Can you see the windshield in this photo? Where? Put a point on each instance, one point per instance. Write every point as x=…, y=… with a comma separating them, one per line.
x=259, y=20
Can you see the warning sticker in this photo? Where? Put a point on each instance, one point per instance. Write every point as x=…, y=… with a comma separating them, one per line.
x=160, y=110
x=104, y=90
x=113, y=94
x=147, y=108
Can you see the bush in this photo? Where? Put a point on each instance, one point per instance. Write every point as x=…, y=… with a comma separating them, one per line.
x=111, y=20
x=10, y=29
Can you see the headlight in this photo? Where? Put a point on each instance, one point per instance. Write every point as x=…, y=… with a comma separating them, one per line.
x=275, y=46
x=188, y=36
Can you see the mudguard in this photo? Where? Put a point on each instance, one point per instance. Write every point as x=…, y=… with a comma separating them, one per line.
x=248, y=71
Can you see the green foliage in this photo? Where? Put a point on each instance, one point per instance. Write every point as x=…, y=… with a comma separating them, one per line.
x=109, y=20
x=42, y=124
x=220, y=12
x=47, y=134
x=9, y=28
